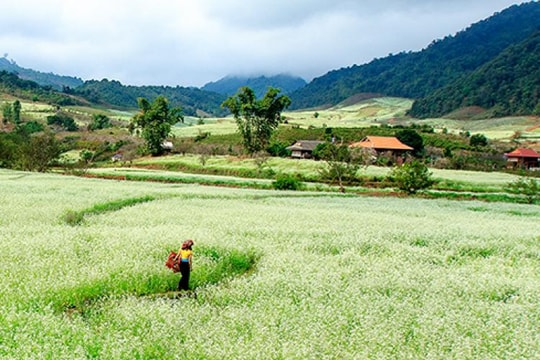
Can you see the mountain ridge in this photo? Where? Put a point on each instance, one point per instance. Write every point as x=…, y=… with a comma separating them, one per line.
x=230, y=84
x=55, y=81
x=416, y=74
x=506, y=85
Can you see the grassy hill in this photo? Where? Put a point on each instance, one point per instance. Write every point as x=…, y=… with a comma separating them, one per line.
x=446, y=139
x=370, y=112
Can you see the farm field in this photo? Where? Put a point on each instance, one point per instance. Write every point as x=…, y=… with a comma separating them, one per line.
x=365, y=113
x=307, y=169
x=374, y=112
x=335, y=276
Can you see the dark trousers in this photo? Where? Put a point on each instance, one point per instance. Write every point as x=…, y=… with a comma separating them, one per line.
x=183, y=284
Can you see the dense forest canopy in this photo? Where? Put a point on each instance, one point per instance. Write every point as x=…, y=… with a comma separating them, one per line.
x=417, y=74
x=54, y=81
x=194, y=102
x=11, y=83
x=507, y=85
x=230, y=85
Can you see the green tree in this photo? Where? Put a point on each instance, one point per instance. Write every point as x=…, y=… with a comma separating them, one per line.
x=526, y=186
x=99, y=121
x=86, y=157
x=412, y=176
x=341, y=164
x=16, y=112
x=29, y=127
x=413, y=139
x=154, y=122
x=38, y=152
x=9, y=148
x=257, y=119
x=478, y=140
x=7, y=113
x=62, y=120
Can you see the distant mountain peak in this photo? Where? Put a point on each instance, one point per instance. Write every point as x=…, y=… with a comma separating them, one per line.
x=230, y=84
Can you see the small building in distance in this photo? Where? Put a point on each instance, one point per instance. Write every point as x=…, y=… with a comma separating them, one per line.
x=523, y=158
x=303, y=149
x=383, y=145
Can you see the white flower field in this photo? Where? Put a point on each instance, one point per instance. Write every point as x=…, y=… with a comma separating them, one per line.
x=336, y=276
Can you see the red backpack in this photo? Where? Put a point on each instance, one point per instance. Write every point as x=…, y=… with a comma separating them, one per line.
x=173, y=262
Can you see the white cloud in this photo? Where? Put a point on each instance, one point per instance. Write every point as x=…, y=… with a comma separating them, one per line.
x=179, y=42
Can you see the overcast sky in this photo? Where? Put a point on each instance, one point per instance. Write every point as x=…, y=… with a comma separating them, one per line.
x=190, y=43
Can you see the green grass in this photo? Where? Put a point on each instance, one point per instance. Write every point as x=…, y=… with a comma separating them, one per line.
x=244, y=172
x=214, y=265
x=73, y=217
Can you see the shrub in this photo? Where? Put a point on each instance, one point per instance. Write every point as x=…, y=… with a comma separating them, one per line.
x=412, y=176
x=287, y=182
x=99, y=121
x=62, y=120
x=527, y=187
x=478, y=140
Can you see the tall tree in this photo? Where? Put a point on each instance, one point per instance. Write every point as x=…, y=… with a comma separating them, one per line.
x=342, y=164
x=257, y=118
x=38, y=152
x=16, y=111
x=413, y=139
x=7, y=113
x=154, y=122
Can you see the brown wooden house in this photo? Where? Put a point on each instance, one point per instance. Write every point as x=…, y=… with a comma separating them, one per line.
x=303, y=149
x=523, y=158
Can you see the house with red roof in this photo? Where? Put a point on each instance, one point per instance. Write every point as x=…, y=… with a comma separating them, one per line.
x=523, y=158
x=383, y=144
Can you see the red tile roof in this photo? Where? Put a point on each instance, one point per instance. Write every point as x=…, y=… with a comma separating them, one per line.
x=381, y=143
x=522, y=153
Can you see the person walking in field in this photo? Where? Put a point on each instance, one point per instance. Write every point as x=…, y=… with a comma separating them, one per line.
x=186, y=256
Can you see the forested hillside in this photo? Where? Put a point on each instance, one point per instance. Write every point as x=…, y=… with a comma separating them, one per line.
x=229, y=85
x=417, y=74
x=13, y=85
x=194, y=102
x=54, y=81
x=507, y=85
